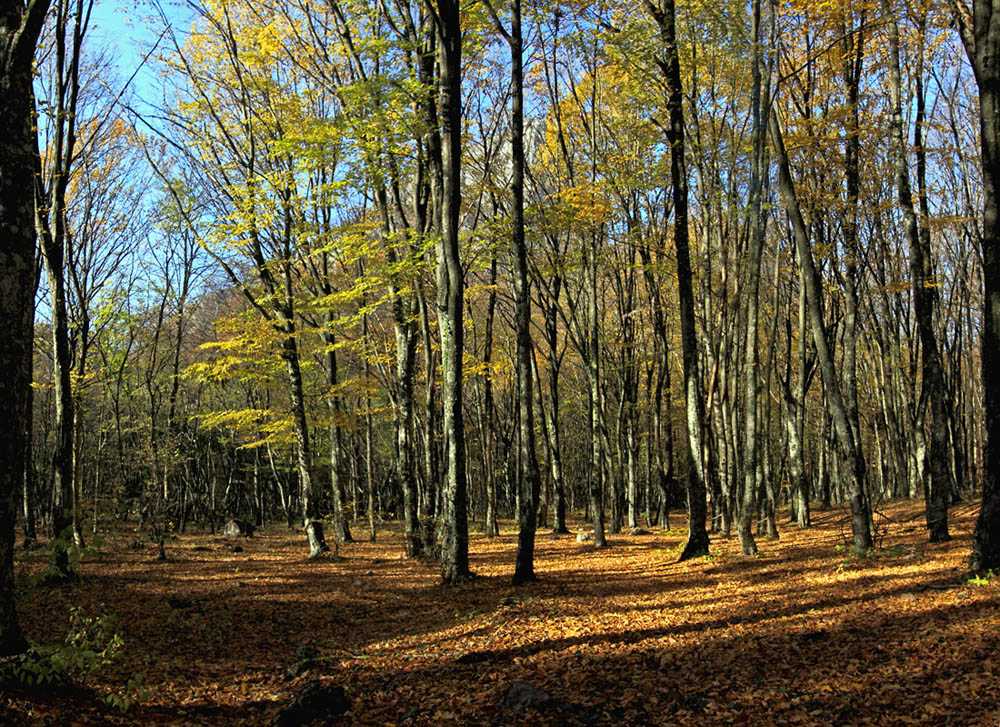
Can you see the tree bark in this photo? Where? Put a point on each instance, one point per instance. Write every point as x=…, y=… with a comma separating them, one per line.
x=455, y=526
x=19, y=29
x=980, y=32
x=314, y=529
x=759, y=109
x=850, y=456
x=341, y=529
x=669, y=63
x=50, y=219
x=924, y=296
x=530, y=481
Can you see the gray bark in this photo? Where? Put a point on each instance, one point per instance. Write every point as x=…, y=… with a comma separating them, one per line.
x=455, y=527
x=924, y=298
x=980, y=32
x=850, y=456
x=760, y=92
x=530, y=480
x=669, y=63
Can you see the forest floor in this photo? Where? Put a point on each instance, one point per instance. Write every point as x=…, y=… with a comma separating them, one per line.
x=805, y=634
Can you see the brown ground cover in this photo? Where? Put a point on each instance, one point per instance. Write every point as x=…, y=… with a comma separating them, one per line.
x=805, y=634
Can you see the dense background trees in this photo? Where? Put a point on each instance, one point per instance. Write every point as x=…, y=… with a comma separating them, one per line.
x=686, y=253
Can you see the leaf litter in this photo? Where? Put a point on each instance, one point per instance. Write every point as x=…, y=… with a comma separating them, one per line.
x=806, y=634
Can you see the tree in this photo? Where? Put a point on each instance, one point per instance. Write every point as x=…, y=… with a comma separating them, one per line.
x=20, y=26
x=230, y=139
x=924, y=296
x=669, y=63
x=450, y=302
x=529, y=480
x=980, y=32
x=851, y=458
x=759, y=109
x=56, y=241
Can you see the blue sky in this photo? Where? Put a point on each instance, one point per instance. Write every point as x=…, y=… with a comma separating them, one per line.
x=129, y=28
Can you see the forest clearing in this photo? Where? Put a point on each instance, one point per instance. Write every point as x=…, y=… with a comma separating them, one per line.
x=805, y=633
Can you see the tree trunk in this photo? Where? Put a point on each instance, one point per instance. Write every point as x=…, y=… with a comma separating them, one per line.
x=924, y=294
x=19, y=29
x=669, y=63
x=595, y=482
x=29, y=484
x=554, y=420
x=490, y=528
x=529, y=480
x=981, y=36
x=314, y=529
x=50, y=219
x=853, y=57
x=455, y=526
x=341, y=530
x=760, y=93
x=850, y=456
x=403, y=425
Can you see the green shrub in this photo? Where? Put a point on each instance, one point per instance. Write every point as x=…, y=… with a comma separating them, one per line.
x=74, y=554
x=90, y=644
x=980, y=579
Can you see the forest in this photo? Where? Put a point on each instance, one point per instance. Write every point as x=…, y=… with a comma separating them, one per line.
x=499, y=361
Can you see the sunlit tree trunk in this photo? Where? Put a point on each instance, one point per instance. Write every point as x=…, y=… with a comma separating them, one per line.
x=852, y=43
x=662, y=442
x=529, y=482
x=455, y=528
x=980, y=31
x=850, y=458
x=759, y=109
x=924, y=298
x=669, y=63
x=794, y=412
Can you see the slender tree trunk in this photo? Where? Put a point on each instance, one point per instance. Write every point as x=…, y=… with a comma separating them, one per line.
x=51, y=188
x=455, y=527
x=61, y=528
x=797, y=431
x=489, y=418
x=529, y=480
x=980, y=32
x=853, y=57
x=369, y=434
x=313, y=527
x=850, y=456
x=76, y=486
x=595, y=482
x=662, y=442
x=341, y=530
x=554, y=420
x=403, y=424
x=924, y=296
x=29, y=485
x=760, y=93
x=669, y=63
